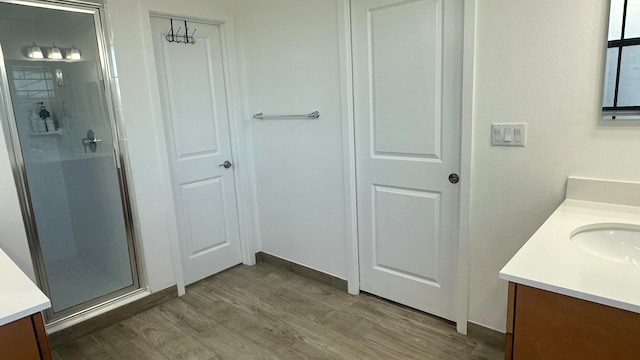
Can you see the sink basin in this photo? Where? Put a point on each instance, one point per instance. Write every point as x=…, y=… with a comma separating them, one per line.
x=615, y=242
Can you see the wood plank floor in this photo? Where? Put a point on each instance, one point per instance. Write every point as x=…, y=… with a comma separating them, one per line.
x=264, y=312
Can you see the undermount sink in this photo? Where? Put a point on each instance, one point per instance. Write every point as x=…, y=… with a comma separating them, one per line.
x=615, y=242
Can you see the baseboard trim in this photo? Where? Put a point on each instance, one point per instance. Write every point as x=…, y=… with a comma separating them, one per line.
x=111, y=317
x=313, y=274
x=485, y=334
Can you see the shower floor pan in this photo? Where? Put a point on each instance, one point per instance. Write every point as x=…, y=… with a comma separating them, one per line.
x=74, y=280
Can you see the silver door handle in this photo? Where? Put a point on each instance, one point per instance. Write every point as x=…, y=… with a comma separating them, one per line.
x=227, y=164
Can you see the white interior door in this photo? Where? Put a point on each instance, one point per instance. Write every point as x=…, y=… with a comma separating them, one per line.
x=407, y=98
x=194, y=110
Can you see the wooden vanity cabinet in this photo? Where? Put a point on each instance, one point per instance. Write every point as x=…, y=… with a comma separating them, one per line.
x=546, y=325
x=24, y=339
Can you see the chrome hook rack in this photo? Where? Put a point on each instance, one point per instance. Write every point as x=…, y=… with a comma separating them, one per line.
x=174, y=36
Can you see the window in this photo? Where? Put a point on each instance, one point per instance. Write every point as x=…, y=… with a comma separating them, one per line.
x=621, y=98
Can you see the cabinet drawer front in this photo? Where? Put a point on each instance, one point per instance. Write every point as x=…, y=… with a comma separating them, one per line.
x=553, y=326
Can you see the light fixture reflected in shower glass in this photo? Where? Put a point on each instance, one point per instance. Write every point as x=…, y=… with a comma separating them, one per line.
x=73, y=54
x=55, y=53
x=35, y=52
x=60, y=78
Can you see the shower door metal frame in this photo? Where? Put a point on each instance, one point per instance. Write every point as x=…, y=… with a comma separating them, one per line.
x=19, y=170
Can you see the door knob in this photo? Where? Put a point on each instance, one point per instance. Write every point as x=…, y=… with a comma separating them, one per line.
x=454, y=178
x=227, y=164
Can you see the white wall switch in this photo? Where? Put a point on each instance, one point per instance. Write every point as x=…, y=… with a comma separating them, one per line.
x=509, y=134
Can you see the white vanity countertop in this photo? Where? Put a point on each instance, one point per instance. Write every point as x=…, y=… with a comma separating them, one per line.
x=19, y=296
x=550, y=261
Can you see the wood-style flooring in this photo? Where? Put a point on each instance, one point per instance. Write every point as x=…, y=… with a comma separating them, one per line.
x=264, y=312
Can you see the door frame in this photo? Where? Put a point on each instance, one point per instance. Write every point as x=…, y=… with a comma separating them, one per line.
x=237, y=132
x=461, y=286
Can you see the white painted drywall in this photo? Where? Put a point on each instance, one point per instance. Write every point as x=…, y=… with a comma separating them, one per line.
x=538, y=62
x=289, y=52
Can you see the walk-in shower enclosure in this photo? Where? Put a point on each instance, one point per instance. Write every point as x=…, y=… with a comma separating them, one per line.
x=58, y=121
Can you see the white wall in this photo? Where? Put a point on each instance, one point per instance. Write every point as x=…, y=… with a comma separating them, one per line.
x=292, y=66
x=538, y=62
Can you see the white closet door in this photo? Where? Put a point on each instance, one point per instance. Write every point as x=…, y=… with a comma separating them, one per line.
x=407, y=86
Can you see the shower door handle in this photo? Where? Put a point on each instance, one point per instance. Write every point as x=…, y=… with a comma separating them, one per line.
x=87, y=142
x=91, y=142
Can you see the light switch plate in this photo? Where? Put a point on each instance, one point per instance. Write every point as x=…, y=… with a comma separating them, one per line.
x=512, y=134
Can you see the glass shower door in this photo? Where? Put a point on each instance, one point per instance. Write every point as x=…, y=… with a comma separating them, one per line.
x=66, y=151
